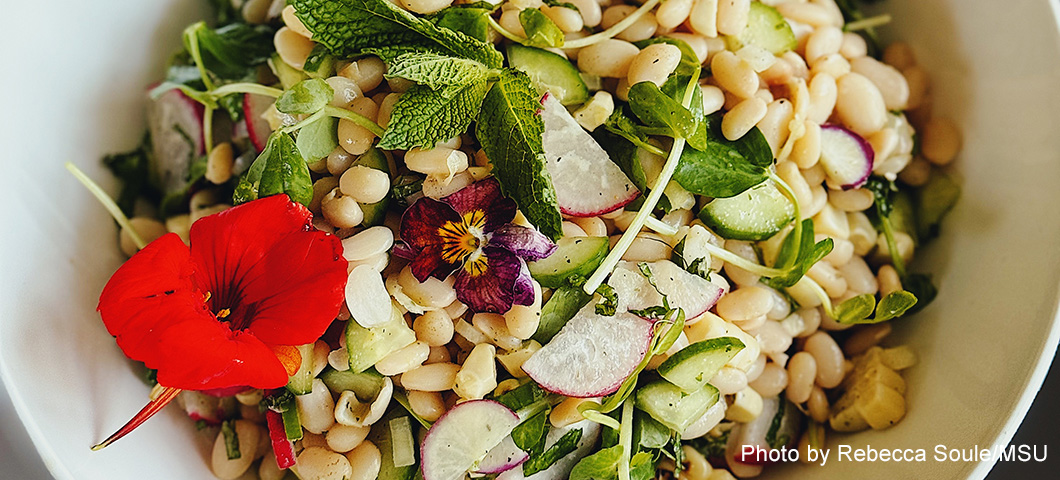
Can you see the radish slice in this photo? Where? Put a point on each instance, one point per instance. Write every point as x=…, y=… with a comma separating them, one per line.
x=847, y=158
x=257, y=128
x=561, y=469
x=587, y=182
x=463, y=437
x=691, y=293
x=505, y=456
x=175, y=123
x=747, y=445
x=592, y=354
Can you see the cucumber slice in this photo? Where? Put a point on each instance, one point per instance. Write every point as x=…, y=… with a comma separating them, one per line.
x=382, y=435
x=693, y=366
x=672, y=407
x=375, y=213
x=573, y=256
x=550, y=73
x=367, y=346
x=766, y=28
x=301, y=382
x=755, y=214
x=365, y=385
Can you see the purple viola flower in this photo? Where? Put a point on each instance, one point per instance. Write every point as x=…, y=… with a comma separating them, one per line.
x=469, y=234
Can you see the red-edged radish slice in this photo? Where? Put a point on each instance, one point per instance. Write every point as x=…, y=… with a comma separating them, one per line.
x=592, y=354
x=175, y=124
x=587, y=182
x=561, y=469
x=505, y=456
x=463, y=437
x=257, y=128
x=691, y=293
x=846, y=157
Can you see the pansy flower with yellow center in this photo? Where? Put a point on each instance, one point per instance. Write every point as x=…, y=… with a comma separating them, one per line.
x=469, y=234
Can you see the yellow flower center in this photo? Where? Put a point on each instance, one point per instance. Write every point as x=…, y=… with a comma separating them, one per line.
x=462, y=242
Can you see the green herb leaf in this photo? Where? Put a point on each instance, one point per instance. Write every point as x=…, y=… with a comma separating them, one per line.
x=724, y=168
x=557, y=3
x=319, y=64
x=801, y=256
x=558, y=310
x=228, y=430
x=470, y=21
x=280, y=168
x=509, y=129
x=609, y=306
x=563, y=447
x=305, y=97
x=660, y=112
x=856, y=309
x=528, y=435
x=521, y=396
x=933, y=201
x=133, y=171
x=422, y=117
x=642, y=466
x=894, y=305
x=602, y=465
x=319, y=138
x=233, y=51
x=623, y=152
x=351, y=27
x=437, y=71
x=541, y=31
x=648, y=432
x=921, y=286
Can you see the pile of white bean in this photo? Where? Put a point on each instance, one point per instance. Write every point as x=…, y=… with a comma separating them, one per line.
x=828, y=78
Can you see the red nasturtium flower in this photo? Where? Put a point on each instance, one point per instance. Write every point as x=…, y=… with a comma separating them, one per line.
x=257, y=280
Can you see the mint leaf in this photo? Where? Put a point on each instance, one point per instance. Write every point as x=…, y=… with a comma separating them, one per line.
x=602, y=465
x=350, y=27
x=319, y=138
x=509, y=129
x=280, y=168
x=436, y=71
x=422, y=117
x=470, y=21
x=541, y=31
x=305, y=97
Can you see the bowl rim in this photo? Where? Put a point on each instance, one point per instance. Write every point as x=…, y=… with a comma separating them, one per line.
x=1032, y=386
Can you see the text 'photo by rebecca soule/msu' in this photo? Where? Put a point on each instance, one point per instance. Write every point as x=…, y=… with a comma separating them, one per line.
x=524, y=239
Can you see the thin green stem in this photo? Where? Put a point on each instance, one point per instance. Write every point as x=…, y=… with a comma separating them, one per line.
x=892, y=246
x=867, y=23
x=355, y=118
x=108, y=203
x=751, y=267
x=207, y=128
x=196, y=55
x=246, y=87
x=659, y=226
x=310, y=119
x=645, y=211
x=625, y=439
x=826, y=301
x=615, y=29
x=796, y=229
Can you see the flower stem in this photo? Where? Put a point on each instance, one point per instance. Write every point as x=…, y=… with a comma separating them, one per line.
x=645, y=211
x=152, y=407
x=108, y=203
x=192, y=37
x=892, y=246
x=207, y=128
x=310, y=119
x=615, y=29
x=826, y=301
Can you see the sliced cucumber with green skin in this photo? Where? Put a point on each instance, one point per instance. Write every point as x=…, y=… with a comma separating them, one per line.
x=558, y=310
x=375, y=213
x=756, y=214
x=365, y=385
x=301, y=382
x=671, y=406
x=550, y=73
x=366, y=346
x=573, y=256
x=382, y=436
x=766, y=28
x=694, y=366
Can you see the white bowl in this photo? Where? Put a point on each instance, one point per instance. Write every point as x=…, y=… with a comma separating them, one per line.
x=73, y=84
